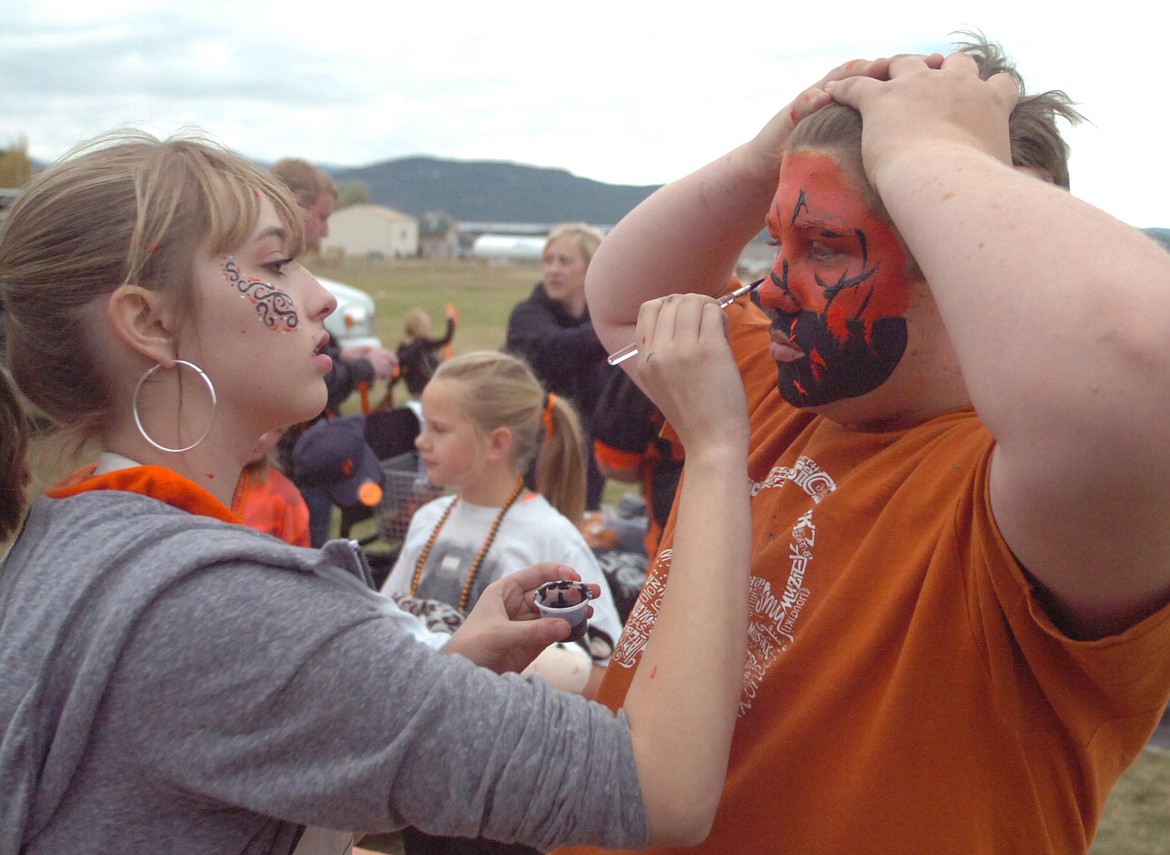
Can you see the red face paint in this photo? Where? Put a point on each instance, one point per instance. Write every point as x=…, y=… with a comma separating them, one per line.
x=838, y=290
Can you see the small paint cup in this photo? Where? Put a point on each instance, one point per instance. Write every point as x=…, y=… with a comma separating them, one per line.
x=566, y=600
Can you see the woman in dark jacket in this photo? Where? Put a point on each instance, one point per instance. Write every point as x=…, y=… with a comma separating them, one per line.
x=552, y=331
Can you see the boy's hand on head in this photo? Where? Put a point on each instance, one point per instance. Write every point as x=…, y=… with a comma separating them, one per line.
x=928, y=103
x=769, y=144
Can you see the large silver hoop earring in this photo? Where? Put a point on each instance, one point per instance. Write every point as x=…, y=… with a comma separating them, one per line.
x=146, y=375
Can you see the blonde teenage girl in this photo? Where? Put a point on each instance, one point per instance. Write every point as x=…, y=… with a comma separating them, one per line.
x=173, y=680
x=485, y=418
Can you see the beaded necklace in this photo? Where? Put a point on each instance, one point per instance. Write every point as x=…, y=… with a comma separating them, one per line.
x=487, y=544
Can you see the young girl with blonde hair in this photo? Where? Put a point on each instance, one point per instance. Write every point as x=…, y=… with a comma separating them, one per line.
x=485, y=419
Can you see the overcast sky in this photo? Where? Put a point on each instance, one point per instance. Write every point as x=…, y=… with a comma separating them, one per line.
x=622, y=92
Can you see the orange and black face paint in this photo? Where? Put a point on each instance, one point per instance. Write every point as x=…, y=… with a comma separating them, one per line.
x=838, y=289
x=275, y=309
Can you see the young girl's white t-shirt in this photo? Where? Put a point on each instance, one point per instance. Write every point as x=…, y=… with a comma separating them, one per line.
x=531, y=531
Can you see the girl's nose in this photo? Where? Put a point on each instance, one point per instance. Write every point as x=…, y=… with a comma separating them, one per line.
x=321, y=303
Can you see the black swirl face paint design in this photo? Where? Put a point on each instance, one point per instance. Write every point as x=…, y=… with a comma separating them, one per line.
x=275, y=308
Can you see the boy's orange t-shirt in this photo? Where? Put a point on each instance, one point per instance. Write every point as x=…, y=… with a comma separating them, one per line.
x=904, y=690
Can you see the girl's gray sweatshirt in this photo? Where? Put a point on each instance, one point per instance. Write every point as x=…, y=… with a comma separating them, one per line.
x=169, y=682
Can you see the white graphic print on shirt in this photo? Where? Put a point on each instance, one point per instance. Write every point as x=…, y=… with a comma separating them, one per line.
x=773, y=614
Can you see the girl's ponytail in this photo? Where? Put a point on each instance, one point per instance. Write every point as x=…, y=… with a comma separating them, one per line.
x=560, y=463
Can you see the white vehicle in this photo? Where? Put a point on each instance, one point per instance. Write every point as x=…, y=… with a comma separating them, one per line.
x=352, y=324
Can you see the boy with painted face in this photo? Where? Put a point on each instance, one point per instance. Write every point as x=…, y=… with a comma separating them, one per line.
x=838, y=289
x=960, y=607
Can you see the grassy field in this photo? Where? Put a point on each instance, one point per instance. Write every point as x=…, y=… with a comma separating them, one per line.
x=483, y=294
x=1137, y=817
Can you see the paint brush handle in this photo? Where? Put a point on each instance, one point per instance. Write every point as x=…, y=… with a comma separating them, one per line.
x=620, y=356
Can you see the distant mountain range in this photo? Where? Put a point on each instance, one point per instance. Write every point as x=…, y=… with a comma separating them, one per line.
x=493, y=191
x=488, y=191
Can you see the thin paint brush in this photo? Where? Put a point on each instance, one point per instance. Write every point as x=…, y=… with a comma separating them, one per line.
x=625, y=353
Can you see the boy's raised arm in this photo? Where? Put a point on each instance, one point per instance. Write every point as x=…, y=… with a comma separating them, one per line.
x=1060, y=317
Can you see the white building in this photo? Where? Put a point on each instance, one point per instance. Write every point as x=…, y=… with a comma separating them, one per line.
x=372, y=231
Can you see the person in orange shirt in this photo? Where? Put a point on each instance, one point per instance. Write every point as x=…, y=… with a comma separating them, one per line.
x=268, y=500
x=958, y=472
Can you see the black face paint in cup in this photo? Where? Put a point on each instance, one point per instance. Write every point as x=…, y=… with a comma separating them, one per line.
x=566, y=600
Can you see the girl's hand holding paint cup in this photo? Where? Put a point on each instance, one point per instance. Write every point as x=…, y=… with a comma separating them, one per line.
x=567, y=600
x=504, y=630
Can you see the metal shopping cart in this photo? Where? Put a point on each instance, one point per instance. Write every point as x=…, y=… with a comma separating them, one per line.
x=404, y=489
